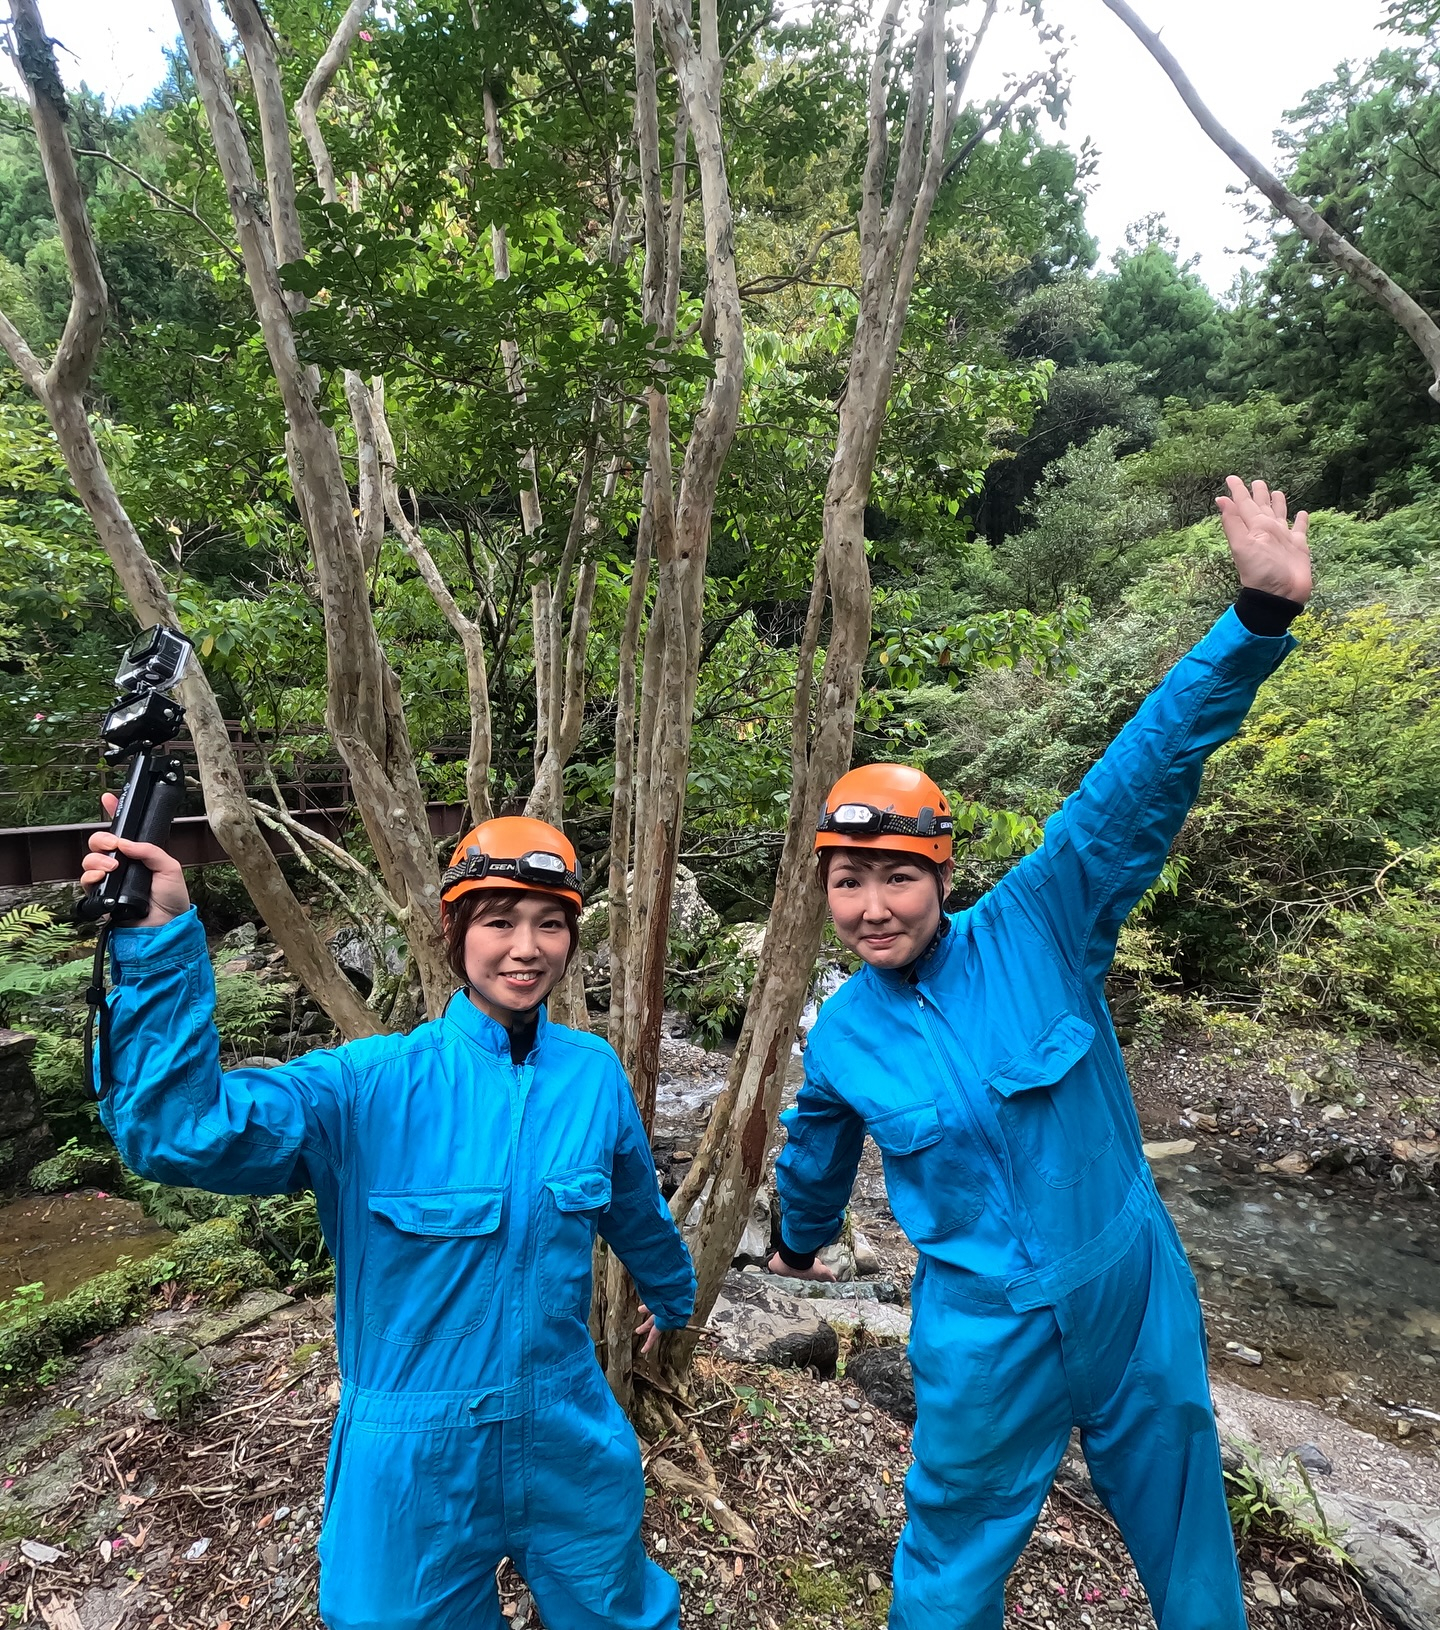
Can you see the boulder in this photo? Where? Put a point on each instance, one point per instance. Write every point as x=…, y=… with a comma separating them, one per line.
x=692, y=917
x=354, y=957
x=867, y=1262
x=756, y=1324
x=883, y=1374
x=754, y=1243
x=839, y=1257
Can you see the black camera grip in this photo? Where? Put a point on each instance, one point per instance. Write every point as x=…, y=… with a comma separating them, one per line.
x=147, y=807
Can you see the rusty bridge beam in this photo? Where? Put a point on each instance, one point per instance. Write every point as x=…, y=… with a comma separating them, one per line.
x=54, y=854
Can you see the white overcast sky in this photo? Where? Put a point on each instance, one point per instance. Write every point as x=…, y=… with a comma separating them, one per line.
x=1250, y=59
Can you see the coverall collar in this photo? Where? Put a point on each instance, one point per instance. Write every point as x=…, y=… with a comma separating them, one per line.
x=489, y=1036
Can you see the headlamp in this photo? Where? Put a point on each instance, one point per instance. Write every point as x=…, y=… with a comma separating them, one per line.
x=864, y=820
x=538, y=866
x=856, y=818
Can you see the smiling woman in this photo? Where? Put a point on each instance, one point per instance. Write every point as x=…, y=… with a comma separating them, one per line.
x=462, y=1174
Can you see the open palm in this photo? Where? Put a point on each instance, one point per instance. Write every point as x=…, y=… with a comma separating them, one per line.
x=1269, y=552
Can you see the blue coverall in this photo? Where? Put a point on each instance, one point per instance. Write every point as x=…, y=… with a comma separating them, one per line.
x=460, y=1196
x=1051, y=1290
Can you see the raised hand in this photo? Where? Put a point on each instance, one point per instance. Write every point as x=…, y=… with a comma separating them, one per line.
x=1269, y=553
x=168, y=895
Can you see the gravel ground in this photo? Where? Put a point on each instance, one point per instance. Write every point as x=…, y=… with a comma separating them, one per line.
x=213, y=1525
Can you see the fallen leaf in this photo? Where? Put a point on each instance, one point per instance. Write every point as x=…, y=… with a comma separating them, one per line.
x=60, y=1615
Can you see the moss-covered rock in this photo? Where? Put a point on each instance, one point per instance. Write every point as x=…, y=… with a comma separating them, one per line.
x=208, y=1260
x=76, y=1167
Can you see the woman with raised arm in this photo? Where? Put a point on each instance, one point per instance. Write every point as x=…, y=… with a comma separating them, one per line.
x=977, y=1050
x=462, y=1174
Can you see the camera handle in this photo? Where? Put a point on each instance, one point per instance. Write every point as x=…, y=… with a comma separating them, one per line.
x=147, y=806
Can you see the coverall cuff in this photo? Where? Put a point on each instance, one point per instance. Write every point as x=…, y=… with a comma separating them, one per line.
x=672, y=1320
x=165, y=945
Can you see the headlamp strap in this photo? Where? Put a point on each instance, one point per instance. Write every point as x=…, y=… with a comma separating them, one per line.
x=927, y=824
x=475, y=867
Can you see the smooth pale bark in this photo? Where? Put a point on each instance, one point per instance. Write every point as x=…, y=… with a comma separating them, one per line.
x=732, y=1154
x=363, y=707
x=60, y=391
x=1377, y=283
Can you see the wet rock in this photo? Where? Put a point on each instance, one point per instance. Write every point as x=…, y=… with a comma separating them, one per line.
x=1213, y=1199
x=883, y=1374
x=1333, y=1112
x=238, y=942
x=820, y=1290
x=840, y=1260
x=1293, y=1165
x=354, y=958
x=867, y=1262
x=757, y=1324
x=1315, y=1593
x=754, y=1243
x=1312, y=1296
x=1169, y=1151
x=1313, y=1458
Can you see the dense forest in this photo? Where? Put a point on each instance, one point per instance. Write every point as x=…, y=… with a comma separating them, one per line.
x=489, y=273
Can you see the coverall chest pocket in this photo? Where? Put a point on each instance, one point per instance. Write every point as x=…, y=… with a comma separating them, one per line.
x=430, y=1262
x=1063, y=1126
x=571, y=1203
x=931, y=1192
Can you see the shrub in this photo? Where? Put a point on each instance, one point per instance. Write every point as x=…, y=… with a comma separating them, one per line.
x=76, y=1167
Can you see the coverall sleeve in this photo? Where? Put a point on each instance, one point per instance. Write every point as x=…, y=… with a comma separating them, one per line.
x=174, y=1115
x=816, y=1169
x=1106, y=844
x=638, y=1227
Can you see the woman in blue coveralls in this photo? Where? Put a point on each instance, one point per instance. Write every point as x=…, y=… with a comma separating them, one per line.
x=462, y=1173
x=977, y=1050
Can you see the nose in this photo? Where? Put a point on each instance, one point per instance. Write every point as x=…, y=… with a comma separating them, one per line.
x=524, y=946
x=875, y=906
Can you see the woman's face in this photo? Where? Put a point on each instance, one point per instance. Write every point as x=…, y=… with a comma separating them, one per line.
x=515, y=953
x=886, y=908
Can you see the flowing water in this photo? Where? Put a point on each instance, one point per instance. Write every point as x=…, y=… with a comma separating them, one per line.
x=60, y=1240
x=1339, y=1292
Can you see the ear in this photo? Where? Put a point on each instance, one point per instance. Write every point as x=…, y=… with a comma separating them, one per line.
x=947, y=872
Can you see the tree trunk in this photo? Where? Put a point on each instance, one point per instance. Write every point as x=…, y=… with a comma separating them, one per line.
x=60, y=392
x=1383, y=289
x=733, y=1151
x=363, y=709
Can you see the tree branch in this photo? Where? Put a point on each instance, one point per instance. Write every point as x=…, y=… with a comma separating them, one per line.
x=1378, y=284
x=165, y=198
x=307, y=106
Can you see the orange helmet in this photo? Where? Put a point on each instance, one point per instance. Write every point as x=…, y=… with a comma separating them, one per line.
x=887, y=806
x=513, y=852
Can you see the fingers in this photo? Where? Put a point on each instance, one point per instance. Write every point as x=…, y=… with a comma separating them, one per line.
x=1260, y=494
x=109, y=803
x=651, y=1342
x=1302, y=527
x=1278, y=506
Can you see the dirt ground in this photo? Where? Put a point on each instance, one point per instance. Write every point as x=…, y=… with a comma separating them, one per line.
x=212, y=1525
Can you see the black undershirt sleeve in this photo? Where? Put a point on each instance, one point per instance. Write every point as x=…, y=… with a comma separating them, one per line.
x=1266, y=614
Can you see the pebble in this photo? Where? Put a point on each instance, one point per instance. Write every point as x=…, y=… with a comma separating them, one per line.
x=1264, y=1592
x=873, y=1583
x=1243, y=1354
x=866, y=1418
x=1313, y=1458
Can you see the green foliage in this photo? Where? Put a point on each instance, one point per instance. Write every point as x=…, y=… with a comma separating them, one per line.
x=246, y=1011
x=179, y=1387
x=710, y=983
x=1158, y=316
x=76, y=1166
x=282, y=1229
x=31, y=944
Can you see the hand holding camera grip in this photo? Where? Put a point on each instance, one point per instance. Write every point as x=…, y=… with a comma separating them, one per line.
x=147, y=807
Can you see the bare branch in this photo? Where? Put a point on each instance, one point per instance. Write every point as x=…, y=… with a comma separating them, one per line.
x=307, y=106
x=164, y=198
x=1378, y=284
x=264, y=65
x=19, y=352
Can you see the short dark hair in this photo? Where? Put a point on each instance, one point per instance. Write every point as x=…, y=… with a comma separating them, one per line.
x=457, y=917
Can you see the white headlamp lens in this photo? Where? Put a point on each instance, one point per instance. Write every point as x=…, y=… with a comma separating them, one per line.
x=859, y=816
x=539, y=861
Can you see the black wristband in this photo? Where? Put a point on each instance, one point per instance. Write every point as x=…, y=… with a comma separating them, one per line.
x=799, y=1260
x=1266, y=614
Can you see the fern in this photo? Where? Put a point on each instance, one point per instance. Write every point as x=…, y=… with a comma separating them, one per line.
x=33, y=933
x=31, y=941
x=246, y=1012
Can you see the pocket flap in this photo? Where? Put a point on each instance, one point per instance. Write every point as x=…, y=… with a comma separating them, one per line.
x=904, y=1131
x=580, y=1191
x=1047, y=1059
x=443, y=1213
